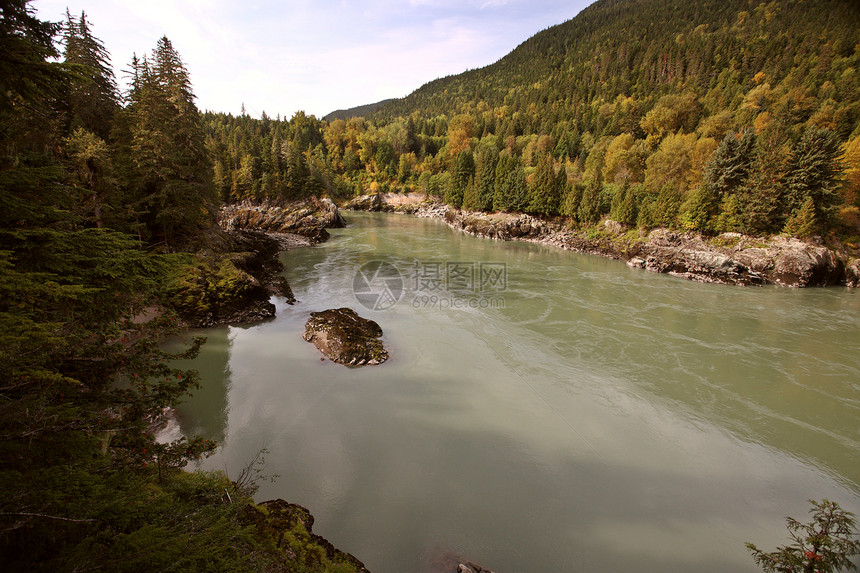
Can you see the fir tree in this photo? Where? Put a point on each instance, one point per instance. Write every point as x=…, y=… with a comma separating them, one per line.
x=94, y=98
x=172, y=170
x=544, y=196
x=730, y=166
x=814, y=173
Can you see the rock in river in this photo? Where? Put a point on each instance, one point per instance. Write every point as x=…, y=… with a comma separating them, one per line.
x=344, y=337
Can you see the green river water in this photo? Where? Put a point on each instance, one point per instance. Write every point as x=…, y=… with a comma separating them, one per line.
x=542, y=410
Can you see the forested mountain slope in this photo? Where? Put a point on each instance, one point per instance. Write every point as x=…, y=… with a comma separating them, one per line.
x=644, y=49
x=707, y=116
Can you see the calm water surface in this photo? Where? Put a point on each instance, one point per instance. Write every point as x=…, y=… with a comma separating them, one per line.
x=605, y=419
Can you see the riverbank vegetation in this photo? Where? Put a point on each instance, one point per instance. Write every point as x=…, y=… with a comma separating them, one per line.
x=100, y=192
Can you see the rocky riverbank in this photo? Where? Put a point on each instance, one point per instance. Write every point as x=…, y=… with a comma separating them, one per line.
x=234, y=277
x=730, y=258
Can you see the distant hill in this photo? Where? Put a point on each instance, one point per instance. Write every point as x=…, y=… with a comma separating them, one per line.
x=359, y=111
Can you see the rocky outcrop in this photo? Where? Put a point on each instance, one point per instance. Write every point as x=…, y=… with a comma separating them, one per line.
x=408, y=203
x=289, y=528
x=372, y=203
x=308, y=219
x=232, y=282
x=729, y=258
x=346, y=338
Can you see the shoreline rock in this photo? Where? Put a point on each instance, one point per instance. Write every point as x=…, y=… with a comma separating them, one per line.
x=346, y=338
x=308, y=218
x=730, y=258
x=408, y=203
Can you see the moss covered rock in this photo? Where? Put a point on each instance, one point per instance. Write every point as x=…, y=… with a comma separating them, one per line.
x=288, y=527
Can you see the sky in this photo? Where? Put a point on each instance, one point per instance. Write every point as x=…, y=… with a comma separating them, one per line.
x=313, y=55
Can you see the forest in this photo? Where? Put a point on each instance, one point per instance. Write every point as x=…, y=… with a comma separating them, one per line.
x=713, y=116
x=105, y=197
x=728, y=116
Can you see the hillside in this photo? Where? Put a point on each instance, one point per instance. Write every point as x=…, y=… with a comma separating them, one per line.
x=359, y=111
x=644, y=49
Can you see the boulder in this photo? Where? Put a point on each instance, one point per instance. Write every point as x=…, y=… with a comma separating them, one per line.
x=365, y=203
x=346, y=338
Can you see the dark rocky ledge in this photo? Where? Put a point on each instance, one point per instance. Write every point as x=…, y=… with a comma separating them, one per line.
x=346, y=338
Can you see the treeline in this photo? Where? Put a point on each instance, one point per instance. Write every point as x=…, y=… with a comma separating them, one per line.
x=100, y=190
x=707, y=116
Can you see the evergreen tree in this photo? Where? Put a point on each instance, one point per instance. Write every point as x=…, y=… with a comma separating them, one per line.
x=171, y=168
x=589, y=210
x=463, y=171
x=699, y=209
x=512, y=194
x=814, y=173
x=802, y=222
x=572, y=199
x=730, y=166
x=470, y=196
x=485, y=179
x=504, y=167
x=93, y=99
x=623, y=209
x=544, y=196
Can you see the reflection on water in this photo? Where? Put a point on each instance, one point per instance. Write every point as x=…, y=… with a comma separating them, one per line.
x=606, y=419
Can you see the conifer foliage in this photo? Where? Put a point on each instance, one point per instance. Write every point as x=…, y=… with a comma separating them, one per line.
x=172, y=179
x=84, y=484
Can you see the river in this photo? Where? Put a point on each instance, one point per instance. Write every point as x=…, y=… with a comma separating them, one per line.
x=542, y=410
